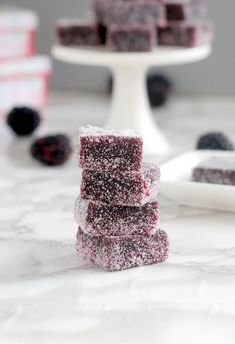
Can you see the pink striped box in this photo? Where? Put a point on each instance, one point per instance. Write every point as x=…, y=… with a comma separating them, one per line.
x=17, y=33
x=24, y=83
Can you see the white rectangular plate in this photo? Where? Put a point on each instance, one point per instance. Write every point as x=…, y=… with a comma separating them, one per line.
x=176, y=183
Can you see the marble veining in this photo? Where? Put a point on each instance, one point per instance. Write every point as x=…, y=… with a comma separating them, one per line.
x=49, y=295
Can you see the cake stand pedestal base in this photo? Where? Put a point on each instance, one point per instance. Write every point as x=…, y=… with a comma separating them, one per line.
x=130, y=108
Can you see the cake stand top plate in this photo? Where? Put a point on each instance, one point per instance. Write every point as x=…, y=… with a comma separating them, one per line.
x=100, y=56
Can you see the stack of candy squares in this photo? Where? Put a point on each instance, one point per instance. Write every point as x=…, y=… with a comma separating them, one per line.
x=117, y=211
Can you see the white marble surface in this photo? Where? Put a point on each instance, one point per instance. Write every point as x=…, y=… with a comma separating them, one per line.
x=49, y=295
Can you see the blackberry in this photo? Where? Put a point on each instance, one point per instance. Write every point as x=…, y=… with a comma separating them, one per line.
x=110, y=85
x=52, y=150
x=23, y=121
x=215, y=141
x=159, y=88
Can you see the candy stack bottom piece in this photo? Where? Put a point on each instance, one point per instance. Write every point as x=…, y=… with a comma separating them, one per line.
x=120, y=253
x=117, y=211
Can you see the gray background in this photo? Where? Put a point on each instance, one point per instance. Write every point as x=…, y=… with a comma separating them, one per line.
x=213, y=76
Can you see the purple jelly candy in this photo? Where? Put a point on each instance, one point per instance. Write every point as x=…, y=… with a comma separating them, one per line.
x=186, y=34
x=118, y=253
x=195, y=35
x=107, y=149
x=217, y=170
x=181, y=11
x=100, y=219
x=125, y=38
x=130, y=12
x=77, y=32
x=121, y=188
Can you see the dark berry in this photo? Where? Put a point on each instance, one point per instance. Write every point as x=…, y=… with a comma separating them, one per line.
x=102, y=31
x=110, y=85
x=215, y=141
x=159, y=88
x=52, y=150
x=23, y=121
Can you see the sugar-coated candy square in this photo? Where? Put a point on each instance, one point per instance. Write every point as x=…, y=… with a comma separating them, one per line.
x=131, y=38
x=100, y=219
x=121, y=253
x=182, y=11
x=77, y=32
x=108, y=149
x=121, y=188
x=217, y=170
x=130, y=12
x=186, y=34
x=198, y=34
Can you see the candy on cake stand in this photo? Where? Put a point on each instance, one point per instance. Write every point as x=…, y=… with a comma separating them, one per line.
x=130, y=106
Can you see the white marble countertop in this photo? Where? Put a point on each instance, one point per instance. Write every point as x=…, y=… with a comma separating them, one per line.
x=49, y=295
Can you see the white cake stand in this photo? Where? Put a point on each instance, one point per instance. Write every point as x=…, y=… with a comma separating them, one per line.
x=130, y=106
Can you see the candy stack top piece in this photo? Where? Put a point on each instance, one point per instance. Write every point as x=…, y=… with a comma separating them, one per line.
x=104, y=149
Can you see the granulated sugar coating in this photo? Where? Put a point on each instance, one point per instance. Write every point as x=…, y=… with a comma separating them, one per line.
x=182, y=11
x=217, y=170
x=185, y=33
x=107, y=149
x=121, y=188
x=77, y=32
x=118, y=253
x=99, y=219
x=130, y=12
x=139, y=38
